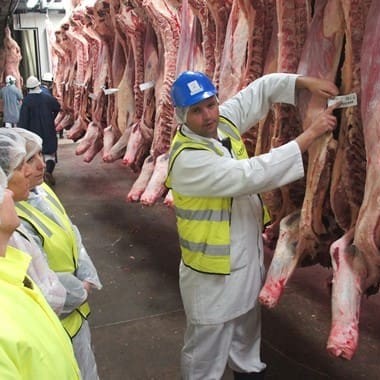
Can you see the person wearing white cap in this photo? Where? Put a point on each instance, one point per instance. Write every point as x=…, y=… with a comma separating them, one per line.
x=38, y=112
x=47, y=83
x=47, y=222
x=33, y=343
x=12, y=98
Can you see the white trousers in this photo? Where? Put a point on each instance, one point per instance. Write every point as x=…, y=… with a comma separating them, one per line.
x=209, y=348
x=84, y=354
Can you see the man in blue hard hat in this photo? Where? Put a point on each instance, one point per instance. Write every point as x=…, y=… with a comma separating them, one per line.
x=215, y=188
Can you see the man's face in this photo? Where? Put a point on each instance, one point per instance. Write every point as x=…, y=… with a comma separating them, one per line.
x=202, y=118
x=37, y=166
x=20, y=182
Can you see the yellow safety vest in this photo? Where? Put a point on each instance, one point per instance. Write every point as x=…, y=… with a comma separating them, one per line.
x=204, y=222
x=60, y=246
x=33, y=344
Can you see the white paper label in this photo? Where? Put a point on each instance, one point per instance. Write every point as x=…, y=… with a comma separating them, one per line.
x=146, y=85
x=348, y=100
x=194, y=87
x=110, y=91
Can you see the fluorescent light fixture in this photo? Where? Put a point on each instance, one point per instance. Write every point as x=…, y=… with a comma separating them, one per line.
x=31, y=3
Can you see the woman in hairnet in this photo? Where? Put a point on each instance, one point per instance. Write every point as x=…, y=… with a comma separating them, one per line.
x=33, y=344
x=47, y=221
x=13, y=158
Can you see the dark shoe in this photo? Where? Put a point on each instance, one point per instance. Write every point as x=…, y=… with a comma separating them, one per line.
x=49, y=179
x=249, y=375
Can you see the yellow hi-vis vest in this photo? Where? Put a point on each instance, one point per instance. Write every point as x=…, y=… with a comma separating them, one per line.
x=33, y=343
x=204, y=222
x=60, y=246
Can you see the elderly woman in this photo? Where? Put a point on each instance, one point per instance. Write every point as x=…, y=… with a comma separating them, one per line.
x=33, y=344
x=47, y=222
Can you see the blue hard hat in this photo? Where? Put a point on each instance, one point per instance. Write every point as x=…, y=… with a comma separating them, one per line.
x=191, y=87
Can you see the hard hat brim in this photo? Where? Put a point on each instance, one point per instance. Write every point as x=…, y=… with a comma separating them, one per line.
x=198, y=98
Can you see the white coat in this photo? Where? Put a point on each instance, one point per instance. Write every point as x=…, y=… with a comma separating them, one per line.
x=213, y=299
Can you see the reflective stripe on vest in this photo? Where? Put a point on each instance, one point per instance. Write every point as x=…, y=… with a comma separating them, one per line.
x=59, y=243
x=73, y=322
x=204, y=222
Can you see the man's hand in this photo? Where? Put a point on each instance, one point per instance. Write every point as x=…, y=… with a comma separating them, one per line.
x=87, y=286
x=324, y=122
x=320, y=87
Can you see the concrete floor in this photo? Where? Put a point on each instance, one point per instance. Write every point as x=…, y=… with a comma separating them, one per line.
x=137, y=318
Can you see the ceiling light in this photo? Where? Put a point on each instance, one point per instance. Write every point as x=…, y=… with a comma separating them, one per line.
x=31, y=3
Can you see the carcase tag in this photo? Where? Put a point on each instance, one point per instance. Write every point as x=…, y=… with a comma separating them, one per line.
x=348, y=100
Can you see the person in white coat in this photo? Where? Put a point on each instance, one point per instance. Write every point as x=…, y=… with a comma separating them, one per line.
x=219, y=214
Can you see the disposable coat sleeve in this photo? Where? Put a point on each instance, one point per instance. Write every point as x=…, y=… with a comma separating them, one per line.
x=252, y=103
x=76, y=294
x=86, y=270
x=39, y=270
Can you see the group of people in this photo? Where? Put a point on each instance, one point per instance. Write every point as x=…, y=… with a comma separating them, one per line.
x=35, y=112
x=46, y=273
x=215, y=187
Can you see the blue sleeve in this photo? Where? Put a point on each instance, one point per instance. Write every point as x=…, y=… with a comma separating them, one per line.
x=56, y=107
x=24, y=116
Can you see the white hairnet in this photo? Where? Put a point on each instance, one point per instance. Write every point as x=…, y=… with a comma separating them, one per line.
x=33, y=142
x=181, y=113
x=3, y=184
x=12, y=150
